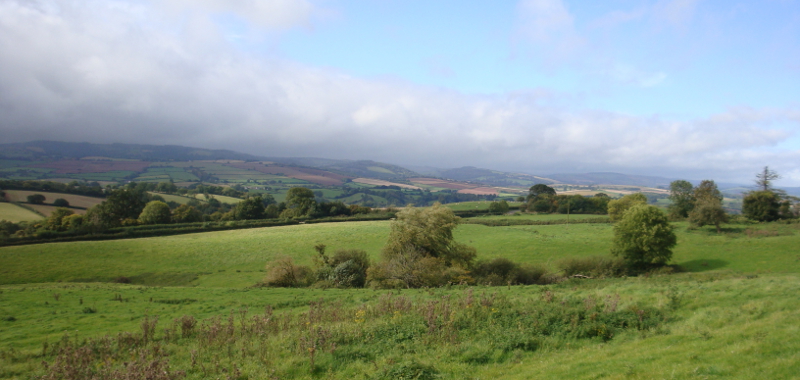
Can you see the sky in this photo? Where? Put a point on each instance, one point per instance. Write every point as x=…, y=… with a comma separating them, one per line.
x=693, y=89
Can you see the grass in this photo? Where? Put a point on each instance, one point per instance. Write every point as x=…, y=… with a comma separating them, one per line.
x=16, y=214
x=80, y=201
x=731, y=317
x=719, y=325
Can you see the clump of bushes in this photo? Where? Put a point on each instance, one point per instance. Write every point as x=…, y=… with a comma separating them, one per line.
x=593, y=266
x=502, y=271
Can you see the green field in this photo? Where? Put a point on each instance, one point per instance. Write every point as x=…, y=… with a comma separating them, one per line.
x=733, y=316
x=16, y=214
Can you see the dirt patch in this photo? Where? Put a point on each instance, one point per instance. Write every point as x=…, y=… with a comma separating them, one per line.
x=320, y=177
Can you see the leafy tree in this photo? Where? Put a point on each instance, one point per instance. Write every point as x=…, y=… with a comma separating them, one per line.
x=36, y=199
x=539, y=190
x=155, y=212
x=643, y=237
x=681, y=193
x=300, y=199
x=499, y=207
x=55, y=222
x=430, y=231
x=617, y=207
x=250, y=208
x=708, y=206
x=186, y=214
x=61, y=202
x=762, y=206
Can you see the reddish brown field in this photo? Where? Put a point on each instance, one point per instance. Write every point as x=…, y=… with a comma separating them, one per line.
x=320, y=177
x=86, y=166
x=479, y=191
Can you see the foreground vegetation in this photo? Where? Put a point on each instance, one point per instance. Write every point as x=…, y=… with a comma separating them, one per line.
x=715, y=325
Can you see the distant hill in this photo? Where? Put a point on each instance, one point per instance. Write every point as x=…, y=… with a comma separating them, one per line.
x=60, y=150
x=606, y=178
x=492, y=177
x=371, y=169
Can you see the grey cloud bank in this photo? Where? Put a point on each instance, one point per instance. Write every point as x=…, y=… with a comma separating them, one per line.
x=133, y=72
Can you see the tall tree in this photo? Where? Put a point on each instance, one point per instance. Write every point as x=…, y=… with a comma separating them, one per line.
x=764, y=179
x=618, y=207
x=681, y=193
x=708, y=206
x=540, y=189
x=302, y=200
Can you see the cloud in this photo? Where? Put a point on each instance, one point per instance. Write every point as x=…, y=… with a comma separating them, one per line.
x=269, y=14
x=549, y=27
x=133, y=78
x=674, y=13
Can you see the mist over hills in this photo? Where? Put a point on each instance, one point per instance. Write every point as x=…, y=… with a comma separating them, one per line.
x=54, y=150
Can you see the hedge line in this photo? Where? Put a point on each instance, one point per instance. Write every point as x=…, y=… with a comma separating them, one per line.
x=177, y=229
x=528, y=222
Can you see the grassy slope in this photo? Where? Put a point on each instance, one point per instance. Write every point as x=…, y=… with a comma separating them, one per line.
x=74, y=200
x=719, y=325
x=16, y=214
x=724, y=324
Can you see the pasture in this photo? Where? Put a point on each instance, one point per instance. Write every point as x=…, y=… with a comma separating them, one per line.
x=79, y=201
x=731, y=316
x=16, y=214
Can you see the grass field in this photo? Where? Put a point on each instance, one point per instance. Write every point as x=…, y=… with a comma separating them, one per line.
x=16, y=214
x=74, y=200
x=733, y=316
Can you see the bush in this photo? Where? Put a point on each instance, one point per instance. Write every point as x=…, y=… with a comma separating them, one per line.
x=36, y=199
x=502, y=271
x=644, y=237
x=61, y=202
x=594, y=266
x=285, y=274
x=618, y=207
x=761, y=206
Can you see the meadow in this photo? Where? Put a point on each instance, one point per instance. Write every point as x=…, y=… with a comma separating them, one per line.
x=14, y=213
x=732, y=315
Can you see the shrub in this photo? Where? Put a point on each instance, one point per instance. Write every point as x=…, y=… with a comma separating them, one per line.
x=61, y=202
x=36, y=199
x=761, y=206
x=284, y=273
x=502, y=271
x=644, y=237
x=593, y=266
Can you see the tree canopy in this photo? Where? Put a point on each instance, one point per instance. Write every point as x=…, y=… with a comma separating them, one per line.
x=681, y=193
x=617, y=207
x=644, y=237
x=540, y=190
x=155, y=212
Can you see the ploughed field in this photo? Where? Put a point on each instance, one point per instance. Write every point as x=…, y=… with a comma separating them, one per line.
x=734, y=314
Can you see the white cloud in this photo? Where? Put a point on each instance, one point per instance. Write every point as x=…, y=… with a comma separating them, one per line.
x=549, y=27
x=68, y=76
x=269, y=14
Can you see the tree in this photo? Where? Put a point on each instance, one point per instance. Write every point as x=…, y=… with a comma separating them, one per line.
x=55, y=222
x=36, y=199
x=61, y=202
x=617, y=207
x=762, y=206
x=250, y=208
x=155, y=212
x=429, y=230
x=500, y=207
x=644, y=237
x=764, y=179
x=540, y=189
x=681, y=193
x=186, y=214
x=708, y=206
x=301, y=200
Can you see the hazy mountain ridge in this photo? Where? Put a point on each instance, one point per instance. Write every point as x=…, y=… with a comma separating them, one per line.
x=54, y=150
